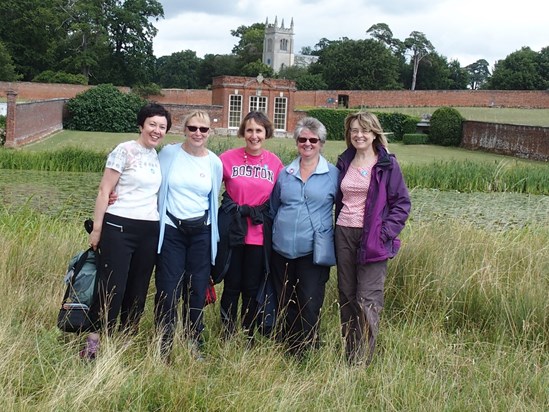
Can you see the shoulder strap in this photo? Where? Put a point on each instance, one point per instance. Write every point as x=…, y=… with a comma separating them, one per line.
x=76, y=268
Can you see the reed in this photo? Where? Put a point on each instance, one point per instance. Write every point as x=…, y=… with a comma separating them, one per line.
x=465, y=327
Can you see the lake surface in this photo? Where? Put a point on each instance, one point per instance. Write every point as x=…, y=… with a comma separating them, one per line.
x=72, y=195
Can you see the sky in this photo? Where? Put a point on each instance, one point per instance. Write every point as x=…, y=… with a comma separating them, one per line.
x=463, y=30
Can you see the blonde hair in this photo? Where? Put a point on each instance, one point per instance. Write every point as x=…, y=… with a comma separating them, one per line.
x=201, y=114
x=368, y=121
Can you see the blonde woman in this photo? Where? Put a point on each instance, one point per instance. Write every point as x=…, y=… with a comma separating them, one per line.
x=188, y=206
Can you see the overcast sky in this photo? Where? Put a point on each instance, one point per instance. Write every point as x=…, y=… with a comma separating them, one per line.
x=465, y=30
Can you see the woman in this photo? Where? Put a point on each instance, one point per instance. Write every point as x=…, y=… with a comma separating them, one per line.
x=249, y=174
x=372, y=206
x=187, y=204
x=127, y=231
x=302, y=202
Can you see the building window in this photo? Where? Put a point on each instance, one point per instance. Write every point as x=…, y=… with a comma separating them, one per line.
x=258, y=104
x=235, y=110
x=270, y=45
x=280, y=109
x=284, y=44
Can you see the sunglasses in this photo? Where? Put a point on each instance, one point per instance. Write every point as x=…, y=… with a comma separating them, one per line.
x=312, y=140
x=195, y=128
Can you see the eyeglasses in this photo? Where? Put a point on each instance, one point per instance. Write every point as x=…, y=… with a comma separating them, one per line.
x=195, y=128
x=312, y=140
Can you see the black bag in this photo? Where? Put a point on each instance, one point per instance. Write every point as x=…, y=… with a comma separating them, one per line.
x=81, y=280
x=81, y=291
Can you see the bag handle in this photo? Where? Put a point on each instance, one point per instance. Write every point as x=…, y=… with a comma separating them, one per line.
x=76, y=268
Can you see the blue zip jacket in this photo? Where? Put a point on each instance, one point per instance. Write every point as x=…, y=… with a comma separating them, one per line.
x=292, y=200
x=166, y=158
x=387, y=206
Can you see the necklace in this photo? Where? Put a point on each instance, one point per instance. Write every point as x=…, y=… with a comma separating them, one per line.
x=246, y=158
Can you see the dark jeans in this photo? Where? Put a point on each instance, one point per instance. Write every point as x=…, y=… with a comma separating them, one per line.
x=183, y=271
x=128, y=255
x=300, y=287
x=245, y=274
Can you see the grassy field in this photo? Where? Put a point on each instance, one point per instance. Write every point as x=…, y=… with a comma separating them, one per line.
x=465, y=325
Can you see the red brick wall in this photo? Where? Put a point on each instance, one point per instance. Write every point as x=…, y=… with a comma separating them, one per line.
x=179, y=112
x=34, y=121
x=43, y=91
x=530, y=142
x=426, y=98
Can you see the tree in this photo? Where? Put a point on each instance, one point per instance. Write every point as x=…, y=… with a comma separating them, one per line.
x=382, y=33
x=217, y=65
x=255, y=68
x=304, y=79
x=29, y=30
x=479, y=73
x=250, y=46
x=518, y=71
x=433, y=73
x=179, y=70
x=420, y=48
x=7, y=68
x=358, y=65
x=459, y=77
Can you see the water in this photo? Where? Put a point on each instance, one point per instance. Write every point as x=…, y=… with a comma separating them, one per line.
x=72, y=195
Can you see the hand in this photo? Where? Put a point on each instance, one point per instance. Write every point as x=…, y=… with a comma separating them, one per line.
x=94, y=239
x=113, y=197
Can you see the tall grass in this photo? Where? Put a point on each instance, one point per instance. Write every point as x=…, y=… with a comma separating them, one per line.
x=461, y=175
x=469, y=176
x=465, y=328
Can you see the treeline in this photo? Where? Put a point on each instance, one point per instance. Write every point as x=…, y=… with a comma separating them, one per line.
x=96, y=42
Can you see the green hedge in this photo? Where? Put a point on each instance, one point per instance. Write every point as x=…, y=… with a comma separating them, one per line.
x=334, y=120
x=415, y=138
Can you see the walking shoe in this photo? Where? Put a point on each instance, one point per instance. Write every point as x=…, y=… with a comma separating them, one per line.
x=90, y=350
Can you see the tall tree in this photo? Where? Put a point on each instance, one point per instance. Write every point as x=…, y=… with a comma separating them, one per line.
x=179, y=70
x=518, y=71
x=250, y=45
x=479, y=72
x=29, y=30
x=459, y=77
x=7, y=68
x=358, y=65
x=420, y=47
x=382, y=33
x=217, y=65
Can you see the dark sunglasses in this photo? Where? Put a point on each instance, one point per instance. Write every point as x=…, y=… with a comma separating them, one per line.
x=195, y=128
x=312, y=140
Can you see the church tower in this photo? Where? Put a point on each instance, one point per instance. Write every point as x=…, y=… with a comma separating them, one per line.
x=278, y=45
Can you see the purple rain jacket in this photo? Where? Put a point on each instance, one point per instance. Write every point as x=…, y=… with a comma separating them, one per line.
x=387, y=206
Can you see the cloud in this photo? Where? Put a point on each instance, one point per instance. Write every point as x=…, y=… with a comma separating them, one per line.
x=465, y=30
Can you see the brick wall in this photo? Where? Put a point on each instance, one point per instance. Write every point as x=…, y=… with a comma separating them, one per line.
x=538, y=99
x=31, y=121
x=530, y=142
x=180, y=111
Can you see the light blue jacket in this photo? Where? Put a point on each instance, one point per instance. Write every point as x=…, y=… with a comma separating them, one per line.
x=292, y=200
x=166, y=158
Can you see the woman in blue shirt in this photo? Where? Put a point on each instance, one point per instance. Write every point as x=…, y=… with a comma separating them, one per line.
x=302, y=202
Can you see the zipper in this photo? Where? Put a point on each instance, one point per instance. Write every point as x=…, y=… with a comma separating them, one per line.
x=116, y=226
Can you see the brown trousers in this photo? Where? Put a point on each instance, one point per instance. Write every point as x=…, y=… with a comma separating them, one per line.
x=361, y=290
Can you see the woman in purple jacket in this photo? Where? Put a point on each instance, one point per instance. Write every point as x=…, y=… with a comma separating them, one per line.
x=372, y=206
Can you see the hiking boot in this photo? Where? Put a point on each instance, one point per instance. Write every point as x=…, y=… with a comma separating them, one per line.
x=90, y=350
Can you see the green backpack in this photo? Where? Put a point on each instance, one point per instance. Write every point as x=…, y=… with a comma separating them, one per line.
x=81, y=291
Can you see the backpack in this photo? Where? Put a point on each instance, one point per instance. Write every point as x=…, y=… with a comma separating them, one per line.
x=81, y=291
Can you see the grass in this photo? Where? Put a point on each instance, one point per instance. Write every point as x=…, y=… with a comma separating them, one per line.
x=465, y=324
x=465, y=327
x=528, y=117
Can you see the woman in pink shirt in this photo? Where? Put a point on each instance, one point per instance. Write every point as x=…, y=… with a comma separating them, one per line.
x=249, y=174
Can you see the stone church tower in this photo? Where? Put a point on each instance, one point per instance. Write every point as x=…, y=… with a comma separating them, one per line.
x=278, y=45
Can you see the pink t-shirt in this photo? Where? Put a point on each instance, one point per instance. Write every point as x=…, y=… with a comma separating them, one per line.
x=249, y=180
x=354, y=187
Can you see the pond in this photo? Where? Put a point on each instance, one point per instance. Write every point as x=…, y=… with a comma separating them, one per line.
x=72, y=195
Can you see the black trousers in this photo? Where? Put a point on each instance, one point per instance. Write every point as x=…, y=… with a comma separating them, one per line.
x=300, y=287
x=244, y=277
x=127, y=259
